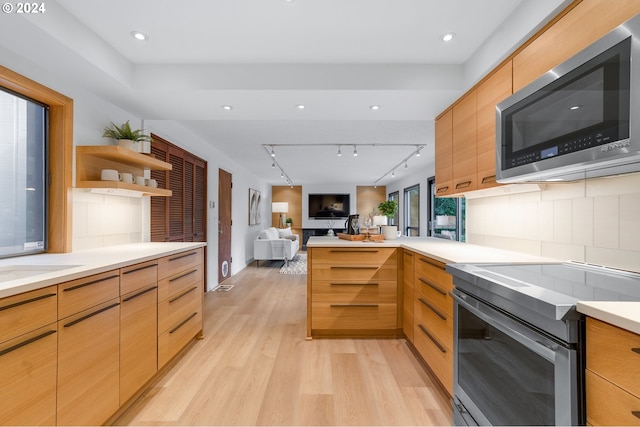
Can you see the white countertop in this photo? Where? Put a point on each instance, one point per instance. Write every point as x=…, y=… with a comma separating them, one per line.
x=623, y=314
x=447, y=251
x=74, y=265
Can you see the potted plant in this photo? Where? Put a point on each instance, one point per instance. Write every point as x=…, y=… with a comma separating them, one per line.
x=125, y=136
x=289, y=221
x=389, y=208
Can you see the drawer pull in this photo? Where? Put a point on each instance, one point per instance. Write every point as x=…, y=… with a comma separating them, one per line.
x=135, y=270
x=188, y=291
x=362, y=267
x=354, y=250
x=635, y=414
x=27, y=342
x=132, y=297
x=433, y=340
x=490, y=178
x=354, y=305
x=636, y=350
x=95, y=313
x=184, y=322
x=73, y=288
x=464, y=184
x=442, y=189
x=433, y=286
x=430, y=262
x=182, y=256
x=27, y=301
x=355, y=284
x=432, y=308
x=183, y=275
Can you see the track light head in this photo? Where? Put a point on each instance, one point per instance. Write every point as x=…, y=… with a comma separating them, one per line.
x=273, y=153
x=355, y=151
x=339, y=151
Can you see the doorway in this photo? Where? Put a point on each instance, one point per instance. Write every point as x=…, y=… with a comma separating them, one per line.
x=224, y=225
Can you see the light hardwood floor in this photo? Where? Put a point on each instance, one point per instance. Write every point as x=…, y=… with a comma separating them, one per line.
x=254, y=367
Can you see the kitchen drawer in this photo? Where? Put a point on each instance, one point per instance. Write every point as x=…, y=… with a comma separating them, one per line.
x=337, y=315
x=434, y=271
x=172, y=310
x=438, y=357
x=345, y=291
x=176, y=338
x=25, y=312
x=433, y=292
x=173, y=264
x=614, y=353
x=82, y=294
x=360, y=272
x=138, y=276
x=438, y=324
x=355, y=256
x=179, y=282
x=610, y=405
x=28, y=378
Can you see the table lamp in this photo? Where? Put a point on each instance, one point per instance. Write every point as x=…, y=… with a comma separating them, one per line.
x=282, y=208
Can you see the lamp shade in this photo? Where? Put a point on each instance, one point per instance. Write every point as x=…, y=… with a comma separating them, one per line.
x=379, y=220
x=279, y=207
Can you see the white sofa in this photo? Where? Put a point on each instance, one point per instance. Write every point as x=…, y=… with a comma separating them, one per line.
x=275, y=244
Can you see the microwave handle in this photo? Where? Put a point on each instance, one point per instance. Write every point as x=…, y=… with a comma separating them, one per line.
x=529, y=339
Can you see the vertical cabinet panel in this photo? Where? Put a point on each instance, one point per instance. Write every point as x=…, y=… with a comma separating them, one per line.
x=444, y=154
x=465, y=169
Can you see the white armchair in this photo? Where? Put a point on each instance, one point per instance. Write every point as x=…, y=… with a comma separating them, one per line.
x=274, y=244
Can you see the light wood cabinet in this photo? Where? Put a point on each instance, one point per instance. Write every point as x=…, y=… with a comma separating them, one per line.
x=28, y=356
x=581, y=26
x=138, y=327
x=444, y=154
x=433, y=318
x=90, y=160
x=408, y=259
x=352, y=292
x=88, y=365
x=488, y=94
x=613, y=375
x=465, y=169
x=180, y=307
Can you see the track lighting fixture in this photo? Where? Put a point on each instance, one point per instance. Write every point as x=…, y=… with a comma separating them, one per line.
x=393, y=173
x=273, y=153
x=355, y=151
x=404, y=162
x=273, y=164
x=339, y=152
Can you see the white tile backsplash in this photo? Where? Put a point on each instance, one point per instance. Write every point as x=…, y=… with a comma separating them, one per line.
x=595, y=221
x=105, y=220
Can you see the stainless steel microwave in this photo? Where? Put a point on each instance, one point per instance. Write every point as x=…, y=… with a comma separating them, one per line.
x=579, y=120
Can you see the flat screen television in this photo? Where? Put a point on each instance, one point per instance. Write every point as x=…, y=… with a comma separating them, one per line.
x=324, y=206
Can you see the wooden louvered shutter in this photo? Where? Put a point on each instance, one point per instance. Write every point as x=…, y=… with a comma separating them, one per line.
x=200, y=203
x=159, y=218
x=189, y=178
x=176, y=201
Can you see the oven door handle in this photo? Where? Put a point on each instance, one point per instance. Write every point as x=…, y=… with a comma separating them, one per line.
x=534, y=342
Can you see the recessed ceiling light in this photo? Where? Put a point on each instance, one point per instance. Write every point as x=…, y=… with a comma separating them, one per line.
x=227, y=107
x=575, y=107
x=374, y=107
x=300, y=107
x=447, y=37
x=139, y=36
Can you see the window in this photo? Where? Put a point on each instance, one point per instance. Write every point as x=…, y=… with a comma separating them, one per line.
x=23, y=172
x=412, y=210
x=446, y=216
x=395, y=196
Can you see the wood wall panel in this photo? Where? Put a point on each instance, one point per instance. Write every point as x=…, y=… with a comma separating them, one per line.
x=368, y=197
x=293, y=196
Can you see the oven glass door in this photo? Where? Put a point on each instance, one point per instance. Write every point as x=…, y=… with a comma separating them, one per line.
x=507, y=373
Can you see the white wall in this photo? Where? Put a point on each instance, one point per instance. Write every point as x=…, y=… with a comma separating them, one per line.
x=595, y=221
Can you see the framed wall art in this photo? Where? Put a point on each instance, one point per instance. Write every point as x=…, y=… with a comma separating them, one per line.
x=255, y=204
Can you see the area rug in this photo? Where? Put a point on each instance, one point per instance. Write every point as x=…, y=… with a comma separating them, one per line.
x=298, y=265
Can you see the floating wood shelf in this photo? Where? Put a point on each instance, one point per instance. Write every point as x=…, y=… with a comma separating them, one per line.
x=90, y=160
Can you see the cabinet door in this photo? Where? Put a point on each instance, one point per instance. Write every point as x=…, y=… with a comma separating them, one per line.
x=407, y=298
x=465, y=169
x=444, y=154
x=580, y=27
x=138, y=340
x=28, y=378
x=88, y=365
x=491, y=92
x=160, y=205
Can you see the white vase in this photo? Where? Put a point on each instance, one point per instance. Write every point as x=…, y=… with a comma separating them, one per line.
x=390, y=232
x=127, y=143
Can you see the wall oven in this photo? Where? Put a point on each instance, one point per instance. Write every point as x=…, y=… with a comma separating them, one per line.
x=519, y=341
x=578, y=119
